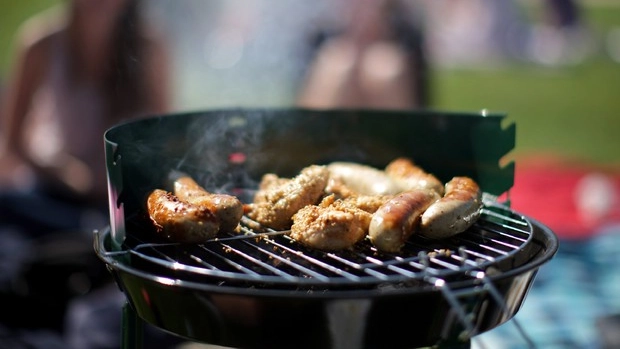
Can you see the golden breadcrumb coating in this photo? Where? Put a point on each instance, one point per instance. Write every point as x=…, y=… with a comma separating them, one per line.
x=275, y=203
x=332, y=225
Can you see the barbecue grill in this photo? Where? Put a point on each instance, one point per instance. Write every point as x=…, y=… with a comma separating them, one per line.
x=258, y=288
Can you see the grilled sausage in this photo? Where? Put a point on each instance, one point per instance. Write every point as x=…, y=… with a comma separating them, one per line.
x=227, y=208
x=363, y=179
x=410, y=176
x=455, y=212
x=396, y=220
x=181, y=221
x=186, y=188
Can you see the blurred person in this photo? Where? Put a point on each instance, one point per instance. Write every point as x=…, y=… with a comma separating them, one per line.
x=476, y=33
x=79, y=70
x=562, y=13
x=374, y=58
x=562, y=35
x=75, y=76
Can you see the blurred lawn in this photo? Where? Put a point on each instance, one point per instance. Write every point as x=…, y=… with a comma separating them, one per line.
x=574, y=111
x=12, y=15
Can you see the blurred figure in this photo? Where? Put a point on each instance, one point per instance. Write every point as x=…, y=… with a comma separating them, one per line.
x=375, y=60
x=78, y=72
x=562, y=36
x=476, y=33
x=563, y=13
x=76, y=76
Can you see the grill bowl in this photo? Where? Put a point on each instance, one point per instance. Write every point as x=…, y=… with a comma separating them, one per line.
x=228, y=307
x=389, y=315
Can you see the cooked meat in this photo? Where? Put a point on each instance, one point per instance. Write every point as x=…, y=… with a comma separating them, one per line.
x=396, y=220
x=227, y=208
x=180, y=221
x=363, y=179
x=275, y=204
x=336, y=186
x=410, y=176
x=368, y=203
x=185, y=188
x=268, y=181
x=332, y=225
x=458, y=210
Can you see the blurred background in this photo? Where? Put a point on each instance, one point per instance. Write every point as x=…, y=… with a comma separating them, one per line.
x=552, y=66
x=505, y=57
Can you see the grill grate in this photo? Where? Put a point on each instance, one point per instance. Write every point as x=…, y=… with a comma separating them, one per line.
x=267, y=258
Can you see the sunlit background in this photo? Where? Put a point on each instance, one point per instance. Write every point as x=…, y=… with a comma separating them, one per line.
x=560, y=86
x=561, y=89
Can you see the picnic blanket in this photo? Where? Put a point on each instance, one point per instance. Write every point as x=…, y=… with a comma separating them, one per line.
x=575, y=299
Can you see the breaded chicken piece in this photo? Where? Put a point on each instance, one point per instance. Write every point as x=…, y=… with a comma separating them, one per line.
x=271, y=180
x=275, y=204
x=331, y=226
x=368, y=203
x=336, y=186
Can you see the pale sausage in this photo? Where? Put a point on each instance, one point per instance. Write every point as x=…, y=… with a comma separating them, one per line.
x=455, y=212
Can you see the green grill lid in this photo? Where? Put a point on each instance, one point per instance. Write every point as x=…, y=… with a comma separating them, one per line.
x=228, y=147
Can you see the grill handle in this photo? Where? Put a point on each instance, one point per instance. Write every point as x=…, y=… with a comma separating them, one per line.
x=115, y=188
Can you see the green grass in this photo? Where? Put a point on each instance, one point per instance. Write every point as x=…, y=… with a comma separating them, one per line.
x=12, y=15
x=573, y=111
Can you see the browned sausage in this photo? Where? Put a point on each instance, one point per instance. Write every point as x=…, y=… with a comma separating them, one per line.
x=455, y=212
x=181, y=221
x=227, y=208
x=410, y=176
x=185, y=187
x=396, y=220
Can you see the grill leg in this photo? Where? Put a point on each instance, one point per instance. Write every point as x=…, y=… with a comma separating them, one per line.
x=132, y=328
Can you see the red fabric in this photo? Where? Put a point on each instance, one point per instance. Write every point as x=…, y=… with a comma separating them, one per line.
x=547, y=189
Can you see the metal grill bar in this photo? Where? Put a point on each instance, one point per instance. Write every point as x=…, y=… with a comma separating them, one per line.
x=294, y=265
x=274, y=258
x=318, y=263
x=256, y=261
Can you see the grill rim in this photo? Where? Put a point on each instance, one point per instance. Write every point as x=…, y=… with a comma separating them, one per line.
x=126, y=190
x=326, y=271
x=152, y=298
x=547, y=241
